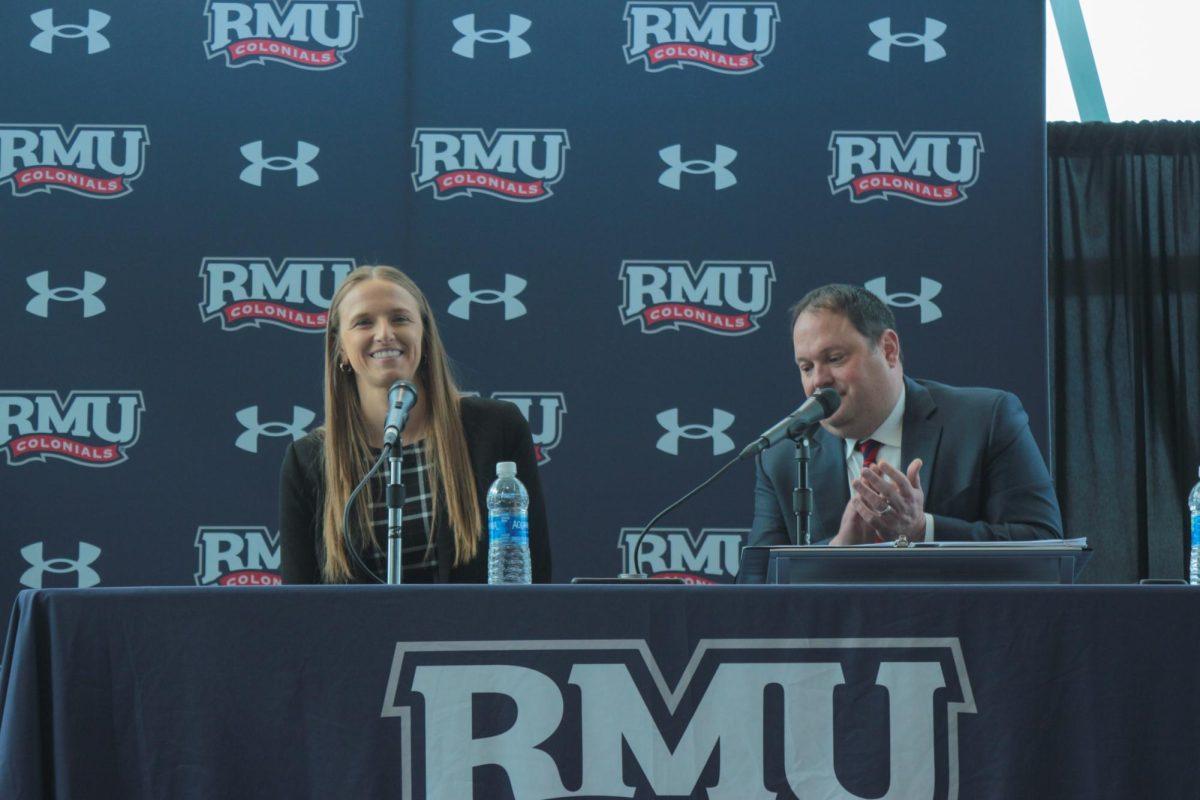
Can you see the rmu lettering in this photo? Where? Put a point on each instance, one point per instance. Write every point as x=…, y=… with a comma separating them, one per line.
x=294, y=282
x=614, y=716
x=111, y=419
x=546, y=432
x=718, y=286
x=922, y=156
x=511, y=153
x=84, y=148
x=230, y=551
x=715, y=554
x=302, y=22
x=746, y=28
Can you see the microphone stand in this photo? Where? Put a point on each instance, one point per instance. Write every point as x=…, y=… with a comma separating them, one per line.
x=802, y=495
x=395, y=515
x=393, y=454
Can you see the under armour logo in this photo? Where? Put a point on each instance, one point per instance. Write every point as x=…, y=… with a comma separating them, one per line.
x=882, y=50
x=305, y=153
x=929, y=290
x=723, y=178
x=517, y=46
x=248, y=441
x=669, y=441
x=513, y=286
x=39, y=306
x=39, y=565
x=44, y=41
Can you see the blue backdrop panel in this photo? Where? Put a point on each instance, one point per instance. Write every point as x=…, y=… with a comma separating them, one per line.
x=610, y=205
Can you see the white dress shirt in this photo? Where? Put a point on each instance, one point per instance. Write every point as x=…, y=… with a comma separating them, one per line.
x=889, y=434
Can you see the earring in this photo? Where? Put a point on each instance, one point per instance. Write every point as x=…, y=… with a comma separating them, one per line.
x=344, y=366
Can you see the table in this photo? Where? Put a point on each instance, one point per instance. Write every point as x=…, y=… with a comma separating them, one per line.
x=725, y=692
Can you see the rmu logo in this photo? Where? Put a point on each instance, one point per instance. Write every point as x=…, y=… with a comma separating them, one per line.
x=97, y=161
x=710, y=556
x=244, y=292
x=92, y=428
x=237, y=555
x=512, y=164
x=930, y=168
x=725, y=37
x=309, y=34
x=744, y=719
x=543, y=411
x=723, y=297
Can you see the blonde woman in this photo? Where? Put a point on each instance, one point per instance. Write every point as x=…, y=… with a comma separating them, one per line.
x=381, y=329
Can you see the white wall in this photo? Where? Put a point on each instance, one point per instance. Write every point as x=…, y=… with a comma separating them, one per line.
x=1147, y=54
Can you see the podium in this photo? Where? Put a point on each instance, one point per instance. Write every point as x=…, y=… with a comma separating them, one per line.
x=1053, y=562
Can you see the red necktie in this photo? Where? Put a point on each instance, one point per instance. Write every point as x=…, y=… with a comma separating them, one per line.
x=869, y=449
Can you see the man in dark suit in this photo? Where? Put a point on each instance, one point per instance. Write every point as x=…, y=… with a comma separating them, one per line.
x=973, y=469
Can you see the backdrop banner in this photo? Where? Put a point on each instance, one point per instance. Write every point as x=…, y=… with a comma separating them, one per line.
x=611, y=206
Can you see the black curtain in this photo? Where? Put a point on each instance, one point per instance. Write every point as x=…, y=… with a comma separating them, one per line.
x=1124, y=269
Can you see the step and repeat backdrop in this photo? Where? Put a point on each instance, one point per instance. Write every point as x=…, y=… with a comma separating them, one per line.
x=611, y=206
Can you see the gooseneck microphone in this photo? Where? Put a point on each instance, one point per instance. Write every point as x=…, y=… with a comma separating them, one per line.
x=821, y=404
x=401, y=398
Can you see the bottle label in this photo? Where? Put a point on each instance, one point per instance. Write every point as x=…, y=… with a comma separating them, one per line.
x=508, y=528
x=1195, y=530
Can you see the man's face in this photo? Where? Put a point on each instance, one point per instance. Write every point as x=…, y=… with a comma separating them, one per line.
x=867, y=375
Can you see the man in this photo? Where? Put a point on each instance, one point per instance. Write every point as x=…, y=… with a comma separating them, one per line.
x=900, y=457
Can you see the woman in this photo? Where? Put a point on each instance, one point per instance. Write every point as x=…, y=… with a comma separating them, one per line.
x=380, y=329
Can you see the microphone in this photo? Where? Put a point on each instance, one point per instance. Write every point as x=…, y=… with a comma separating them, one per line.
x=401, y=398
x=821, y=404
x=817, y=407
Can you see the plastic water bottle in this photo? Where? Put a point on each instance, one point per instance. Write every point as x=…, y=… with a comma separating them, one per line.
x=1194, y=559
x=508, y=527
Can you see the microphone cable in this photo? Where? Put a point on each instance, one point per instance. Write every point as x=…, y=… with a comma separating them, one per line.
x=637, y=547
x=353, y=551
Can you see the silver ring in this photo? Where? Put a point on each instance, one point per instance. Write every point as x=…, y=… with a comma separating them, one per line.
x=886, y=508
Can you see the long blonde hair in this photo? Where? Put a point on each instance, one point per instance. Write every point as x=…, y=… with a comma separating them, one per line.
x=347, y=452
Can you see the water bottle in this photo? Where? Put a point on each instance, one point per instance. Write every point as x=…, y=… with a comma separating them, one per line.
x=1194, y=558
x=508, y=527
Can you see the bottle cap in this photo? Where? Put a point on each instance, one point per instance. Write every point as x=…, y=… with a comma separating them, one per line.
x=506, y=469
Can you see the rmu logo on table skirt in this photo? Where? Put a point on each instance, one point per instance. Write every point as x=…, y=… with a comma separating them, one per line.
x=743, y=719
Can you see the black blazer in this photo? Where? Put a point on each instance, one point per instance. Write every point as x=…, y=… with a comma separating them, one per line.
x=495, y=431
x=983, y=475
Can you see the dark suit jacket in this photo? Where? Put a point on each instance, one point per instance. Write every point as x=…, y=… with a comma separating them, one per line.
x=495, y=431
x=983, y=475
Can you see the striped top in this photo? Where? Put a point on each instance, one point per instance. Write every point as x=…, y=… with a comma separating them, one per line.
x=418, y=561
